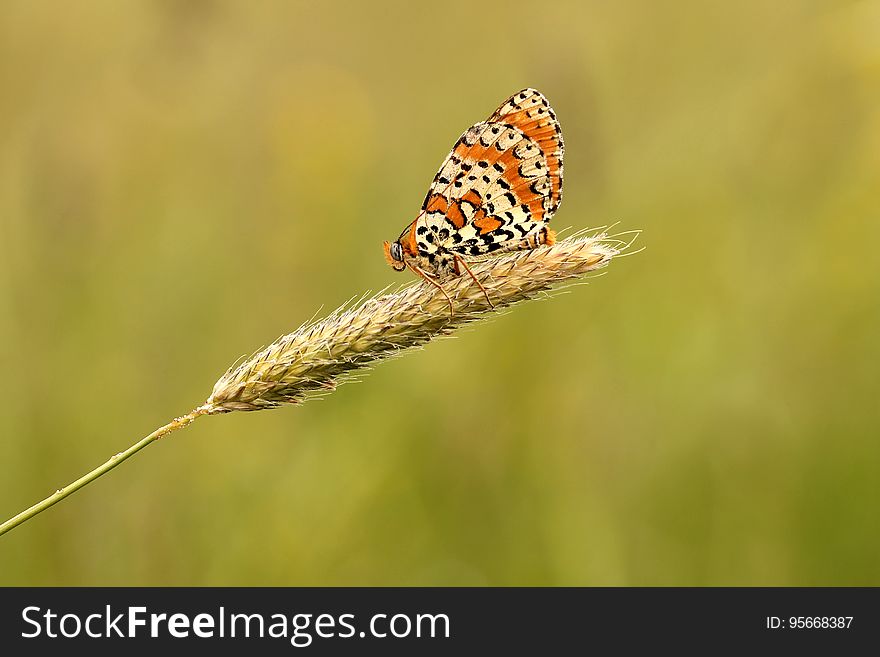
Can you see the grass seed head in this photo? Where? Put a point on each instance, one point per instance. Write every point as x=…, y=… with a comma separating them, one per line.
x=321, y=354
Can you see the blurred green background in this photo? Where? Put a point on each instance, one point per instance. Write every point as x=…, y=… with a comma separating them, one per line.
x=181, y=182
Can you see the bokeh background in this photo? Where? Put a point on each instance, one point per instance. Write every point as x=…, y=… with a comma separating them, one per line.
x=182, y=182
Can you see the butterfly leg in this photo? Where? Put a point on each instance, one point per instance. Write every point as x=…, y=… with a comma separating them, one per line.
x=460, y=261
x=430, y=279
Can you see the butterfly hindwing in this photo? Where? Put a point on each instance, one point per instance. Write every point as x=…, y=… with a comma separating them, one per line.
x=530, y=112
x=500, y=184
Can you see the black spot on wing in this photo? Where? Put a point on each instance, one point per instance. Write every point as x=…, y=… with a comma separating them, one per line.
x=522, y=172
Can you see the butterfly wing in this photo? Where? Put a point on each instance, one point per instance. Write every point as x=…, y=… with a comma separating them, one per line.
x=500, y=185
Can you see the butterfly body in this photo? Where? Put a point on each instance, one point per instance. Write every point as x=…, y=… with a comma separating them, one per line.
x=494, y=192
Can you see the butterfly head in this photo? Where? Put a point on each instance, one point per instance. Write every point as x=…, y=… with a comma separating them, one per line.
x=394, y=255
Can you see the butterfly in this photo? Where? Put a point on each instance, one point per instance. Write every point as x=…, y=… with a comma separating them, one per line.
x=495, y=192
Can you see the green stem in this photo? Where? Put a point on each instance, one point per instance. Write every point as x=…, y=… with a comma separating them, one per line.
x=116, y=459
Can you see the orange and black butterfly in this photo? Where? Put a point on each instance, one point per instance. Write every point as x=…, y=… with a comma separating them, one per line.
x=494, y=192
